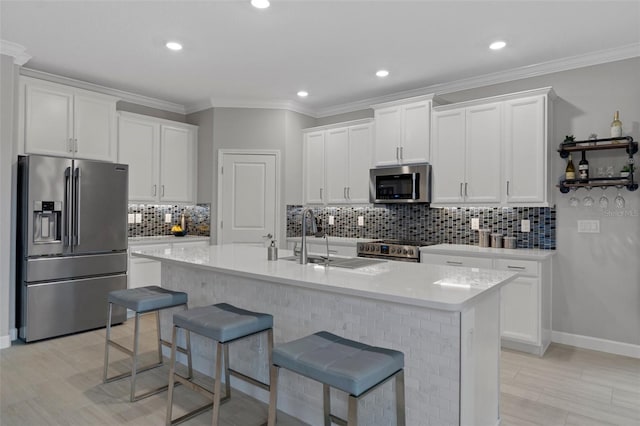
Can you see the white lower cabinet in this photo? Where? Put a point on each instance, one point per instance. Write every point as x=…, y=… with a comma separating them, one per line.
x=143, y=271
x=525, y=303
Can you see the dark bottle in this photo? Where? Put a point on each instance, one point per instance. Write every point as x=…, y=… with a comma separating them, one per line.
x=583, y=169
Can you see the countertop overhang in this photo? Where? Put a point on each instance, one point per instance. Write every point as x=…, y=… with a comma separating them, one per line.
x=432, y=286
x=489, y=252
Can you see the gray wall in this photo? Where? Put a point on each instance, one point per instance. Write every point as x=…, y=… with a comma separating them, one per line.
x=295, y=122
x=596, y=276
x=348, y=116
x=153, y=112
x=8, y=87
x=206, y=165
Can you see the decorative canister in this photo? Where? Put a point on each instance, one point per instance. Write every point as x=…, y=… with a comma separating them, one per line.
x=485, y=237
x=496, y=240
x=510, y=242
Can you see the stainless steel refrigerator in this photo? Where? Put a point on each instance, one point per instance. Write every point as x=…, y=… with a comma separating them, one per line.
x=72, y=244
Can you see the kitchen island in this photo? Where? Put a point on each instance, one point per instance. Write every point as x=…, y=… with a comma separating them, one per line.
x=445, y=319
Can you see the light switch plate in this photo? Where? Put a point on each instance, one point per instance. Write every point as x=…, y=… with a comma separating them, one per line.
x=475, y=223
x=360, y=220
x=589, y=226
x=167, y=218
x=138, y=217
x=525, y=225
x=131, y=218
x=331, y=220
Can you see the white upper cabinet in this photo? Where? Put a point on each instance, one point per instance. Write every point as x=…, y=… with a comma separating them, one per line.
x=402, y=131
x=313, y=167
x=336, y=164
x=161, y=155
x=526, y=153
x=64, y=121
x=493, y=151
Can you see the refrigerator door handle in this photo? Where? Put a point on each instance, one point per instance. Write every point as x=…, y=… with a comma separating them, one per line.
x=76, y=232
x=66, y=241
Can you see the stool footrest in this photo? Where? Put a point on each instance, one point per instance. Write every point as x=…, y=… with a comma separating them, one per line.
x=248, y=379
x=192, y=414
x=338, y=420
x=120, y=347
x=128, y=373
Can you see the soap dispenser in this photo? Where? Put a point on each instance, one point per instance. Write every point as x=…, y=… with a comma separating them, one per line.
x=272, y=251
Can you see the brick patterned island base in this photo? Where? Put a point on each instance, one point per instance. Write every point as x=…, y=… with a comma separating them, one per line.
x=445, y=320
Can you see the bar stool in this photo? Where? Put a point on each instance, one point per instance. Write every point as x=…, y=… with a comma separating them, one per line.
x=142, y=300
x=344, y=364
x=225, y=324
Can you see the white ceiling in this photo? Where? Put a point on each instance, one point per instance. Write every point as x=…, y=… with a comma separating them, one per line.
x=235, y=55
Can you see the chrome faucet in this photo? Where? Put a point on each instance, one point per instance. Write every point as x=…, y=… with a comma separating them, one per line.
x=303, y=250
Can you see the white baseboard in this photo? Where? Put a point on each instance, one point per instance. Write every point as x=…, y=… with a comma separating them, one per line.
x=5, y=341
x=596, y=344
x=14, y=334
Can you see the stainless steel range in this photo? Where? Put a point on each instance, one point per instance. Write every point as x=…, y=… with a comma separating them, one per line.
x=407, y=251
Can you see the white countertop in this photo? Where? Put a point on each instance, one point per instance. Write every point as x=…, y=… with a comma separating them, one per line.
x=337, y=241
x=432, y=286
x=159, y=239
x=466, y=250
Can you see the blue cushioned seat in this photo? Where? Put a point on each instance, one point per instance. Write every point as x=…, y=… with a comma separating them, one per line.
x=150, y=298
x=350, y=366
x=223, y=322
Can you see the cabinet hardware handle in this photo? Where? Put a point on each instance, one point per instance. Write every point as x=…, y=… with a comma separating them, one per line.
x=75, y=144
x=155, y=190
x=162, y=186
x=461, y=189
x=451, y=262
x=465, y=188
x=507, y=187
x=70, y=145
x=348, y=192
x=344, y=192
x=401, y=153
x=77, y=185
x=516, y=267
x=397, y=151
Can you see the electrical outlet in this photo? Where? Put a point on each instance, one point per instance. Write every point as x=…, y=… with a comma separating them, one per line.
x=525, y=225
x=167, y=218
x=138, y=217
x=475, y=223
x=131, y=218
x=360, y=220
x=589, y=226
x=331, y=220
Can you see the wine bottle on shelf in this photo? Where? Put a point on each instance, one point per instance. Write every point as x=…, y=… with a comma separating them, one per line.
x=616, y=126
x=570, y=171
x=583, y=169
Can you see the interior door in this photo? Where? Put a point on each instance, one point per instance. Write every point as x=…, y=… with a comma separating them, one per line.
x=248, y=198
x=100, y=192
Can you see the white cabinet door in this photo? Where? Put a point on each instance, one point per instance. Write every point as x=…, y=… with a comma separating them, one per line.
x=177, y=164
x=313, y=166
x=388, y=135
x=138, y=146
x=360, y=141
x=48, y=120
x=448, y=156
x=483, y=154
x=415, y=132
x=519, y=310
x=525, y=150
x=95, y=127
x=337, y=165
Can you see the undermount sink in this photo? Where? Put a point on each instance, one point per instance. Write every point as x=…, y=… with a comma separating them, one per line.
x=338, y=262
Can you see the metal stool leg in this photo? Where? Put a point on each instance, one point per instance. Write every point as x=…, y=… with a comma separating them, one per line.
x=400, y=417
x=134, y=365
x=352, y=416
x=326, y=404
x=227, y=376
x=172, y=369
x=106, y=344
x=273, y=394
x=218, y=382
x=189, y=361
x=158, y=334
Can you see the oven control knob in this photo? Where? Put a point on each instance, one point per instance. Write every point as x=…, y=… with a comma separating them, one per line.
x=411, y=252
x=404, y=251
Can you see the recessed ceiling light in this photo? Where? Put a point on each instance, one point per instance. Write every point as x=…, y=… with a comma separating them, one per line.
x=260, y=4
x=382, y=73
x=303, y=94
x=497, y=45
x=174, y=45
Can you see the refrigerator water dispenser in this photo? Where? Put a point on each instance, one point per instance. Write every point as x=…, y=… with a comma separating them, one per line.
x=47, y=221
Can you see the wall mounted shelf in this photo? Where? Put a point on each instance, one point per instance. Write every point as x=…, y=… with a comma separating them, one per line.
x=626, y=142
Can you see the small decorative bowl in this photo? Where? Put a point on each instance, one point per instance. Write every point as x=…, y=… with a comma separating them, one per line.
x=179, y=233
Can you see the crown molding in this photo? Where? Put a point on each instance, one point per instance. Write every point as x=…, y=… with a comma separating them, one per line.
x=249, y=103
x=16, y=51
x=565, y=64
x=120, y=94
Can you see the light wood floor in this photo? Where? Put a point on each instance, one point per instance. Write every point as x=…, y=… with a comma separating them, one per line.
x=59, y=382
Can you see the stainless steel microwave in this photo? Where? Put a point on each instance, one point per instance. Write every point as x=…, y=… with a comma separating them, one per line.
x=400, y=184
